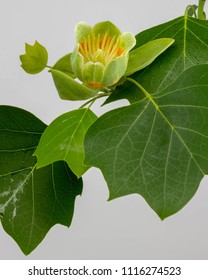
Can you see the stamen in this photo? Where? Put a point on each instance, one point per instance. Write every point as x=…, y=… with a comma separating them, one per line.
x=82, y=51
x=115, y=49
x=107, y=43
x=86, y=50
x=102, y=49
x=104, y=41
x=110, y=48
x=111, y=44
x=89, y=44
x=93, y=43
x=120, y=51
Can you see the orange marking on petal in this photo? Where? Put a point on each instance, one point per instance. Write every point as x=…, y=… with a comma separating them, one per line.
x=120, y=51
x=95, y=85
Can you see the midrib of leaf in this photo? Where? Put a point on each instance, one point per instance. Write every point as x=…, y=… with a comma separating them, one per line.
x=166, y=120
x=184, y=29
x=72, y=136
x=33, y=212
x=184, y=38
x=19, y=187
x=184, y=50
x=124, y=136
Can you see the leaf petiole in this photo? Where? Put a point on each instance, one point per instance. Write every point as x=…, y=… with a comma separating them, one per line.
x=144, y=91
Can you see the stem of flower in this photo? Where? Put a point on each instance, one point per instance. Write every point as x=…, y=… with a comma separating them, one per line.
x=92, y=100
x=201, y=14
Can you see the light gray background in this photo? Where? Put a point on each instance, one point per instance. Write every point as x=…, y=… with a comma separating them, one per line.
x=125, y=228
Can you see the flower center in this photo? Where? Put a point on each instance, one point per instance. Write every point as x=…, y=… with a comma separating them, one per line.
x=101, y=48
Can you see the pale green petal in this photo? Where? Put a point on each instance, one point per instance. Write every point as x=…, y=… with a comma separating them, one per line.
x=129, y=41
x=77, y=63
x=82, y=30
x=93, y=73
x=115, y=70
x=106, y=27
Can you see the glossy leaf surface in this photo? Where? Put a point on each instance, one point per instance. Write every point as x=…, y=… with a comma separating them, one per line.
x=190, y=48
x=63, y=139
x=158, y=146
x=31, y=200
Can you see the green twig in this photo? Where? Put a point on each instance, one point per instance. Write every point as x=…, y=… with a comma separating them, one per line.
x=201, y=13
x=92, y=100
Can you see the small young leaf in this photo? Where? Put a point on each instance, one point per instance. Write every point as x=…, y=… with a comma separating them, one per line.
x=63, y=140
x=69, y=89
x=192, y=10
x=64, y=65
x=143, y=56
x=35, y=59
x=31, y=201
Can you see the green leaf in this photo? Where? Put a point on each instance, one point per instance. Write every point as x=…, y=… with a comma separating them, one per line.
x=35, y=59
x=190, y=48
x=63, y=139
x=143, y=56
x=64, y=65
x=191, y=10
x=158, y=146
x=31, y=200
x=69, y=89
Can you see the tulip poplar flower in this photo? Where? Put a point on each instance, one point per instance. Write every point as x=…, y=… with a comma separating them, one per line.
x=101, y=54
x=102, y=59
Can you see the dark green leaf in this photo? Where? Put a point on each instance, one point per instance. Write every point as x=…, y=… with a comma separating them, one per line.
x=63, y=139
x=31, y=200
x=158, y=146
x=190, y=48
x=69, y=89
x=35, y=59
